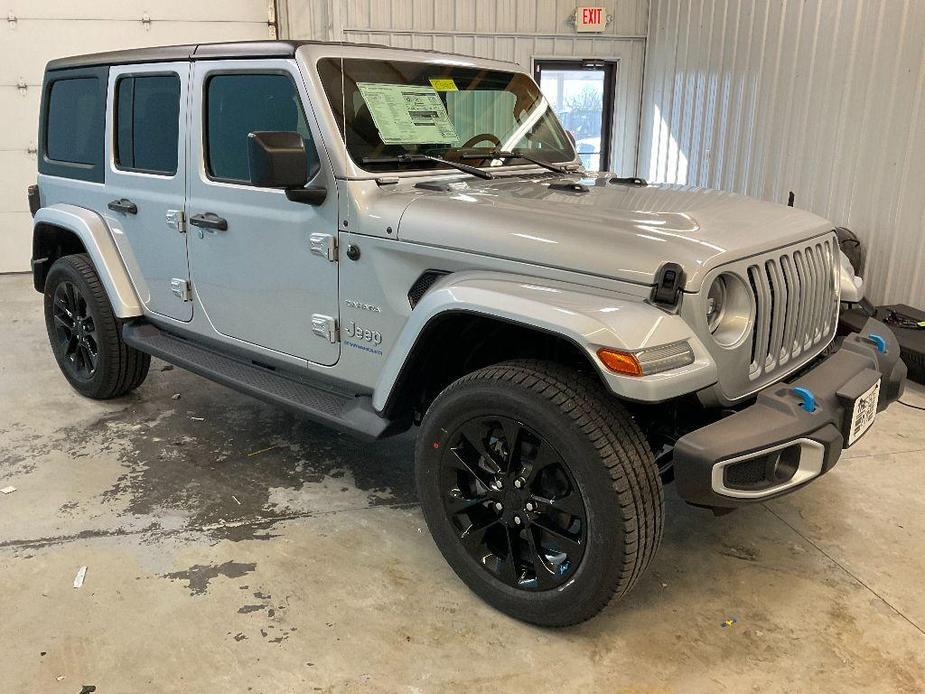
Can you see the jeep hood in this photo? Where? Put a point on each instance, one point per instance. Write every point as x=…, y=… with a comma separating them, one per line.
x=611, y=230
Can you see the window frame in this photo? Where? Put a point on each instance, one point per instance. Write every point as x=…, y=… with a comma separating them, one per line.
x=204, y=116
x=610, y=67
x=115, y=121
x=93, y=172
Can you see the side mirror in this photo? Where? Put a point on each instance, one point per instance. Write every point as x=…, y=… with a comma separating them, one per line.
x=278, y=160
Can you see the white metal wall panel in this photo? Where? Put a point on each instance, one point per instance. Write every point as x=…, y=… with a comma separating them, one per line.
x=483, y=16
x=35, y=32
x=820, y=97
x=515, y=30
x=310, y=19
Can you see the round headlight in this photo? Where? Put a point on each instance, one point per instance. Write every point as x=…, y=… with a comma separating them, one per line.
x=716, y=303
x=728, y=309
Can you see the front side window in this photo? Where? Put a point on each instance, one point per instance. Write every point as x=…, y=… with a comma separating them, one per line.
x=74, y=130
x=148, y=123
x=389, y=108
x=238, y=104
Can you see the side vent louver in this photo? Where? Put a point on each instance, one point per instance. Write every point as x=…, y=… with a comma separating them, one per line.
x=422, y=284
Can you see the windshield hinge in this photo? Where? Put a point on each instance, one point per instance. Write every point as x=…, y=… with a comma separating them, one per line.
x=571, y=186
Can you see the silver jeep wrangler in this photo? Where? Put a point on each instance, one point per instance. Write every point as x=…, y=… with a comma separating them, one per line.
x=380, y=238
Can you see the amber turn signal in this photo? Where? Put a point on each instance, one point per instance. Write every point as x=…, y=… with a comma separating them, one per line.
x=620, y=362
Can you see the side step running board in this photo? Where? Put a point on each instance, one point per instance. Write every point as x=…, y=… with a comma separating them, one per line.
x=349, y=413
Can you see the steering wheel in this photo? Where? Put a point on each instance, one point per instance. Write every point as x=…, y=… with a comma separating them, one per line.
x=481, y=138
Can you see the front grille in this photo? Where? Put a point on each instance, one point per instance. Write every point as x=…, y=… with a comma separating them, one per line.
x=796, y=304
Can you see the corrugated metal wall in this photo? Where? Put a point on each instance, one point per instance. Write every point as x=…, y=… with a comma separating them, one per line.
x=515, y=30
x=821, y=97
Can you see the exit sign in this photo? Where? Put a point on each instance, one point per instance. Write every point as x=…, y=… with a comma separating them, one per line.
x=590, y=19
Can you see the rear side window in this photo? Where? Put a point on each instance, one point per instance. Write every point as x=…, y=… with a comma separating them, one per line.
x=72, y=123
x=238, y=104
x=148, y=123
x=74, y=131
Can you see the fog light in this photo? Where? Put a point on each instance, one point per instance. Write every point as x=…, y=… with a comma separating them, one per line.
x=785, y=464
x=765, y=471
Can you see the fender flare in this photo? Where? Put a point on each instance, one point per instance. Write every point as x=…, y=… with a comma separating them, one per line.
x=588, y=317
x=96, y=238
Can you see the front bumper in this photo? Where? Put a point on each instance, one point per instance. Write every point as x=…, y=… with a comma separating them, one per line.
x=777, y=445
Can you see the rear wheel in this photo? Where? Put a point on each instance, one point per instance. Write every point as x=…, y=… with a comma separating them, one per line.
x=539, y=489
x=85, y=334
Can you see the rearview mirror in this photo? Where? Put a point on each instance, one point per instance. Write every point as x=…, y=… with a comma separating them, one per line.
x=277, y=159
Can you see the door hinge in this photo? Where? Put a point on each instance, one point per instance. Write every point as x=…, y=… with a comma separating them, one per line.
x=326, y=327
x=176, y=220
x=182, y=289
x=324, y=245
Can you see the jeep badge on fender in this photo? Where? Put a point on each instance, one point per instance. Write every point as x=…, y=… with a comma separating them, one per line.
x=353, y=330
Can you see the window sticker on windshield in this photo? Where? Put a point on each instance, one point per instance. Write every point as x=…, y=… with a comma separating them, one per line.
x=407, y=114
x=443, y=84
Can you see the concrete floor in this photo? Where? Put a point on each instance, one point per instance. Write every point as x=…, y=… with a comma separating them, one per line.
x=233, y=547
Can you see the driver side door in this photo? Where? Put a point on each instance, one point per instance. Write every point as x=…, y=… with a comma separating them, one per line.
x=258, y=279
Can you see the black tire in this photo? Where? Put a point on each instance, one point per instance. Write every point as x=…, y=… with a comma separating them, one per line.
x=602, y=455
x=85, y=335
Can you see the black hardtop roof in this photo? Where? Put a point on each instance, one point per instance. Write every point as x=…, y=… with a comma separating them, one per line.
x=194, y=51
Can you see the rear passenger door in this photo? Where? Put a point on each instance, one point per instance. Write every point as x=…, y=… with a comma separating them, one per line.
x=146, y=180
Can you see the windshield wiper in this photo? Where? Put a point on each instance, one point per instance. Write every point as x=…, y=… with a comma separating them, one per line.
x=517, y=154
x=411, y=158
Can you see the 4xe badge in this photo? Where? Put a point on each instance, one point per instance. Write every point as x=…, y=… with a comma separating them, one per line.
x=358, y=332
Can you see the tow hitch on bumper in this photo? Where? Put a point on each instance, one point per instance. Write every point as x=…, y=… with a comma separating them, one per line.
x=795, y=431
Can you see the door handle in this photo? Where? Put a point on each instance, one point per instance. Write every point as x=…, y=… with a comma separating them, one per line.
x=123, y=205
x=209, y=221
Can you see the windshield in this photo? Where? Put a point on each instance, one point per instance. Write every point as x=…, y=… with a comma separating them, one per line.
x=388, y=108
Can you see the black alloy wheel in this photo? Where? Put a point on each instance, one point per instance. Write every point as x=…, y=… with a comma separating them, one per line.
x=75, y=330
x=539, y=489
x=85, y=334
x=514, y=503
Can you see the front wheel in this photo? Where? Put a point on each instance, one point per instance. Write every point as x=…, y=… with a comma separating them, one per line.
x=85, y=334
x=539, y=489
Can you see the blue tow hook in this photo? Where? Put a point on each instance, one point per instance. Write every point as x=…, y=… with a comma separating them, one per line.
x=879, y=341
x=806, y=395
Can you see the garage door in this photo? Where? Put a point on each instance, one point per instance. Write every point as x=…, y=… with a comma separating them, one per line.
x=34, y=32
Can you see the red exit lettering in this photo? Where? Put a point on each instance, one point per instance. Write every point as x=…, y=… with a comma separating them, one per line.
x=591, y=16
